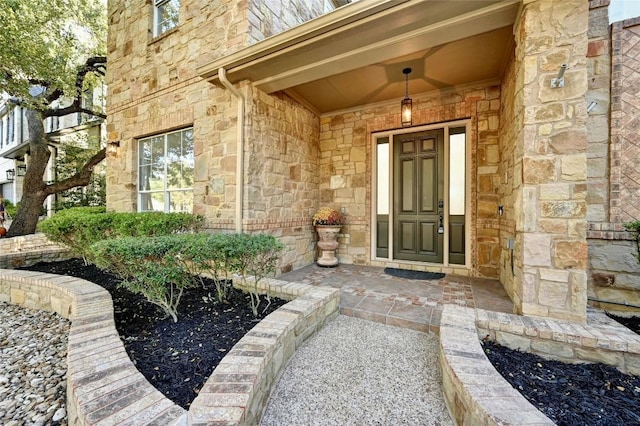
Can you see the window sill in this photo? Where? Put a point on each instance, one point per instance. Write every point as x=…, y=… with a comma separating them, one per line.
x=162, y=36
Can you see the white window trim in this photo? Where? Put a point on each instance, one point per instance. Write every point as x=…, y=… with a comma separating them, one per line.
x=165, y=191
x=157, y=4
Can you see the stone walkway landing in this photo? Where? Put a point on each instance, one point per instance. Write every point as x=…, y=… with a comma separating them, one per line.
x=368, y=293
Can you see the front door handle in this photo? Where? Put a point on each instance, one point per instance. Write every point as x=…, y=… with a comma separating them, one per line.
x=441, y=224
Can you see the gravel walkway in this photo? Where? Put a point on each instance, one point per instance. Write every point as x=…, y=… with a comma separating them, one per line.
x=33, y=350
x=357, y=372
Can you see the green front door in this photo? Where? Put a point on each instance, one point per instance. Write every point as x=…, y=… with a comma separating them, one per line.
x=418, y=180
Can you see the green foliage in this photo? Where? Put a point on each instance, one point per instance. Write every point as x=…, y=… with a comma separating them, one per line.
x=208, y=255
x=78, y=228
x=162, y=267
x=635, y=228
x=72, y=155
x=46, y=40
x=152, y=267
x=253, y=255
x=10, y=208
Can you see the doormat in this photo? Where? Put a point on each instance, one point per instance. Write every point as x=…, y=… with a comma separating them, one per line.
x=413, y=275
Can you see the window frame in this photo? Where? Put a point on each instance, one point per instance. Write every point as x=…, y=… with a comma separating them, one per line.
x=158, y=28
x=166, y=190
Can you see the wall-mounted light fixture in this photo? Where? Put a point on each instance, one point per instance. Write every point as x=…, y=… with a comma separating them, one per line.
x=405, y=105
x=591, y=106
x=11, y=174
x=559, y=80
x=112, y=147
x=21, y=170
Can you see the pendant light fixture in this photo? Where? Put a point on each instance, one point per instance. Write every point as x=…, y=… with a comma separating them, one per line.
x=405, y=106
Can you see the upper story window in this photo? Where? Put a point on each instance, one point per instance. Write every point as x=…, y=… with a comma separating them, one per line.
x=165, y=17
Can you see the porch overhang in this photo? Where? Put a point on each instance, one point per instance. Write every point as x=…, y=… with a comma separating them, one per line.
x=328, y=55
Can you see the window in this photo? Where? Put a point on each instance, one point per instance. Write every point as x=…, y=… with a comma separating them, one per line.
x=165, y=172
x=165, y=17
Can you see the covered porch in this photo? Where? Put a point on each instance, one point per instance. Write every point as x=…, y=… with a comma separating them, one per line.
x=322, y=98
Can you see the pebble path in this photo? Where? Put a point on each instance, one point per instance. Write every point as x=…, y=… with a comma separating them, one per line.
x=33, y=351
x=357, y=372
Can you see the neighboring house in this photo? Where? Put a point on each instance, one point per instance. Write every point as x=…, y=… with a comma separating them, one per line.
x=14, y=142
x=256, y=113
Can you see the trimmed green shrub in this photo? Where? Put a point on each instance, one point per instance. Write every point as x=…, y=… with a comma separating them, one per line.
x=208, y=255
x=150, y=266
x=162, y=267
x=78, y=228
x=253, y=255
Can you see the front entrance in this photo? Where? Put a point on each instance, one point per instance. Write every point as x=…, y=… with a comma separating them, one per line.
x=421, y=196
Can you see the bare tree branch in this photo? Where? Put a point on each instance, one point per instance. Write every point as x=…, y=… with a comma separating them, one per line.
x=79, y=179
x=96, y=65
x=70, y=110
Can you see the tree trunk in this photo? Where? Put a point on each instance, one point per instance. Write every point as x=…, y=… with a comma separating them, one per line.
x=35, y=190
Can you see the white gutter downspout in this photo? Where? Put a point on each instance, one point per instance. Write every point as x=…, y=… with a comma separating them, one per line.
x=222, y=74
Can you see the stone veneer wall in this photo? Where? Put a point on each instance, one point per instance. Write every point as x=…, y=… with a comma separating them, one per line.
x=509, y=179
x=27, y=250
x=551, y=247
x=282, y=173
x=346, y=169
x=154, y=88
x=267, y=18
x=614, y=267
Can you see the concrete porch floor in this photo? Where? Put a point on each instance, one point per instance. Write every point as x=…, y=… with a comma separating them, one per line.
x=367, y=292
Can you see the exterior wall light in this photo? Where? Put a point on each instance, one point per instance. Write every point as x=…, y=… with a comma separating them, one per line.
x=21, y=170
x=405, y=105
x=112, y=147
x=11, y=174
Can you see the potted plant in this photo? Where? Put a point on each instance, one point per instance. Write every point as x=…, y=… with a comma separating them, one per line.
x=328, y=223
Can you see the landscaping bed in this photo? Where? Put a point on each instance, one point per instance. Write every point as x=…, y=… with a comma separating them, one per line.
x=632, y=323
x=569, y=394
x=176, y=357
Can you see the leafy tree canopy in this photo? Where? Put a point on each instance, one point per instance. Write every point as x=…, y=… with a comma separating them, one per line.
x=45, y=42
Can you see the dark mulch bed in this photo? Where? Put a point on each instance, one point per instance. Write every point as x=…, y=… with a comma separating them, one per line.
x=632, y=323
x=177, y=358
x=570, y=394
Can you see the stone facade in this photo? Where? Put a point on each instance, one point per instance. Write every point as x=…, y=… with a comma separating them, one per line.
x=550, y=244
x=543, y=174
x=154, y=88
x=346, y=169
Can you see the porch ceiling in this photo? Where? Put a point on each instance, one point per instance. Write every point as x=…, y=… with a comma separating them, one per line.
x=355, y=55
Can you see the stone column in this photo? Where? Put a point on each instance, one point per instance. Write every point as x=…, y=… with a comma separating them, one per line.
x=551, y=247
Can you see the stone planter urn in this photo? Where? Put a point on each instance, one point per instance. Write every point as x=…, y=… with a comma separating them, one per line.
x=328, y=243
x=328, y=223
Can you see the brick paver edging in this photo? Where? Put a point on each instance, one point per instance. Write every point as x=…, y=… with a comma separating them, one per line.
x=104, y=387
x=477, y=394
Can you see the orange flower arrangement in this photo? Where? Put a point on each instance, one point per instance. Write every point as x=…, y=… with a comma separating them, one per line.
x=328, y=216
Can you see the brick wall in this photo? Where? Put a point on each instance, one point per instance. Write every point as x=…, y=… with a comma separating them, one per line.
x=614, y=172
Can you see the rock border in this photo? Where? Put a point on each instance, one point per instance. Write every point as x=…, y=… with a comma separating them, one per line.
x=103, y=385
x=477, y=394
